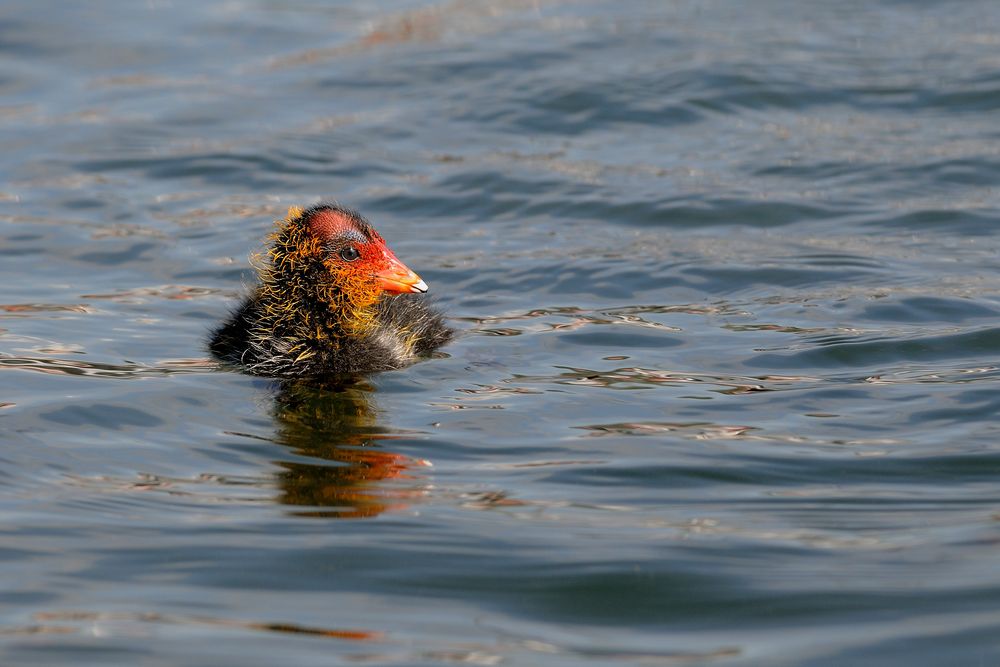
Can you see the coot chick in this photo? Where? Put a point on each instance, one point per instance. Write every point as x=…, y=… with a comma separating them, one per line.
x=331, y=299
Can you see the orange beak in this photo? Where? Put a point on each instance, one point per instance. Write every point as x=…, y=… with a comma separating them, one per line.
x=397, y=278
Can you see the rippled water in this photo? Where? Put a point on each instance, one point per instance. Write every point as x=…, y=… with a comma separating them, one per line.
x=726, y=385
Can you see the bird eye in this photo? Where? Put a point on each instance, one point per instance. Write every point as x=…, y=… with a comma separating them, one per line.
x=349, y=254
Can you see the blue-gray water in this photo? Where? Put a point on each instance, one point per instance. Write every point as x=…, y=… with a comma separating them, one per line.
x=727, y=384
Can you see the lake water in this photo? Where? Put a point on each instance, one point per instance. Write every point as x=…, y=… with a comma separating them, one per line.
x=728, y=376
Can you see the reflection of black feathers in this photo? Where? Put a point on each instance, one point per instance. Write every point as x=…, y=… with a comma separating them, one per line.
x=406, y=328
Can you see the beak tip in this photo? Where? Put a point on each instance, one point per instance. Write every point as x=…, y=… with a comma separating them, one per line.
x=419, y=287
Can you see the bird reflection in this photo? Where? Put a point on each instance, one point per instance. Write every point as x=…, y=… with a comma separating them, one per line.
x=337, y=424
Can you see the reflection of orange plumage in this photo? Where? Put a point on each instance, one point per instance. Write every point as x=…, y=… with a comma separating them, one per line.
x=352, y=476
x=350, y=491
x=332, y=299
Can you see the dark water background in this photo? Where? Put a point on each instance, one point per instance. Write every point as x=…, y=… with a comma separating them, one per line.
x=727, y=386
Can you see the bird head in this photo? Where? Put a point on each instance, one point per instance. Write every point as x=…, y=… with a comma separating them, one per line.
x=356, y=256
x=327, y=263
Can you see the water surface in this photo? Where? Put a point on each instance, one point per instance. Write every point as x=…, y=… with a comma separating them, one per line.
x=726, y=384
